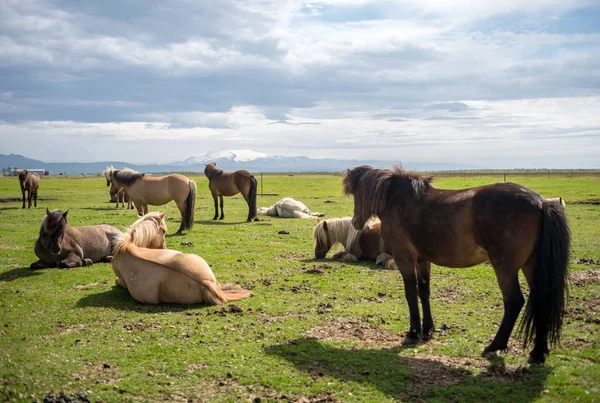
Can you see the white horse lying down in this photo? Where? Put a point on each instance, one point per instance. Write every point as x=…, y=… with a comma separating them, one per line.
x=154, y=274
x=289, y=208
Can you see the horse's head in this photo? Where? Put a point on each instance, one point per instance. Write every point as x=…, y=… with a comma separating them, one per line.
x=149, y=231
x=22, y=175
x=322, y=240
x=108, y=174
x=359, y=183
x=53, y=229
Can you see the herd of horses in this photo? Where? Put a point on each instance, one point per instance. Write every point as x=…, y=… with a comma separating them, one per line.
x=400, y=220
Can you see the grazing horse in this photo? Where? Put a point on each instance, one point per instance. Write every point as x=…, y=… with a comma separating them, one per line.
x=154, y=274
x=289, y=208
x=365, y=244
x=229, y=184
x=509, y=225
x=60, y=245
x=156, y=191
x=30, y=182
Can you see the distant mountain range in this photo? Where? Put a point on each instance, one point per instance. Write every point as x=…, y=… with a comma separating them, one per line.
x=226, y=160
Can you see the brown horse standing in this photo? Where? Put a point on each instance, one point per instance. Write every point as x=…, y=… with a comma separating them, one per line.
x=229, y=184
x=509, y=225
x=144, y=190
x=30, y=182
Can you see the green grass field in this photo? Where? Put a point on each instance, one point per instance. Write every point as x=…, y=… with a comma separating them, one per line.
x=314, y=331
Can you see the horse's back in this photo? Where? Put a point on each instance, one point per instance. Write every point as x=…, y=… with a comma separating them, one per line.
x=96, y=241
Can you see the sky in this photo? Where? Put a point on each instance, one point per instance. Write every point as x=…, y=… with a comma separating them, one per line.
x=511, y=84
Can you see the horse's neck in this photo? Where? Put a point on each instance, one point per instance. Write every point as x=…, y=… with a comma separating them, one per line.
x=272, y=211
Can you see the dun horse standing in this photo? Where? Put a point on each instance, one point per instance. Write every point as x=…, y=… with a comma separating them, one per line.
x=509, y=225
x=154, y=274
x=229, y=184
x=60, y=245
x=156, y=191
x=365, y=244
x=30, y=182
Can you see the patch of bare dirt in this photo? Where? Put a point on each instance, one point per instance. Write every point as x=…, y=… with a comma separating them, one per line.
x=581, y=278
x=356, y=330
x=102, y=374
x=83, y=287
x=294, y=255
x=64, y=329
x=448, y=295
x=432, y=370
x=3, y=246
x=139, y=326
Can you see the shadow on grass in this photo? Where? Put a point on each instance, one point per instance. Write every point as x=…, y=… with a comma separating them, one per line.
x=219, y=222
x=119, y=298
x=11, y=208
x=19, y=272
x=413, y=378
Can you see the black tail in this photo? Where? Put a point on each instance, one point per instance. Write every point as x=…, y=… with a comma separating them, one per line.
x=252, y=198
x=546, y=305
x=190, y=205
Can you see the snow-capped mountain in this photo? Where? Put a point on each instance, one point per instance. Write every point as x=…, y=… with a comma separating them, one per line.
x=232, y=155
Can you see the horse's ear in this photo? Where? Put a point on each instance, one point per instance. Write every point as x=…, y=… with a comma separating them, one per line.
x=47, y=211
x=162, y=215
x=66, y=213
x=325, y=225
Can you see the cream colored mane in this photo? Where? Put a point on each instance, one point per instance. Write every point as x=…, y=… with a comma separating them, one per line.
x=142, y=232
x=339, y=230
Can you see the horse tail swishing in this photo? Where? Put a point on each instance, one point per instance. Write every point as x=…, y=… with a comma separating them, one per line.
x=214, y=294
x=543, y=316
x=187, y=221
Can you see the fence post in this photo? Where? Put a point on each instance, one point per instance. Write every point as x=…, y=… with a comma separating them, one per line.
x=504, y=177
x=261, y=183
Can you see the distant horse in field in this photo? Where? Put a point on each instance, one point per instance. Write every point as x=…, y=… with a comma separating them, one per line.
x=120, y=196
x=30, y=182
x=365, y=244
x=509, y=225
x=60, y=245
x=229, y=184
x=156, y=191
x=289, y=208
x=154, y=274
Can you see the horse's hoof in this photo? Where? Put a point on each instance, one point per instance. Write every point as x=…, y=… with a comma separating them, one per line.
x=222, y=218
x=411, y=339
x=489, y=354
x=536, y=358
x=428, y=334
x=88, y=262
x=214, y=218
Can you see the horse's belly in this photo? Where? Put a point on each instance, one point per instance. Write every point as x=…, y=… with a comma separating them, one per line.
x=462, y=257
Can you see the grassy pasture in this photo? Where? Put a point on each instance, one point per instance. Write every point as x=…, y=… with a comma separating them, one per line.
x=314, y=331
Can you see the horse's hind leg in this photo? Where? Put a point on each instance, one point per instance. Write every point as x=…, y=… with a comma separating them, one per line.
x=423, y=274
x=181, y=207
x=221, y=203
x=540, y=344
x=35, y=198
x=508, y=280
x=216, y=206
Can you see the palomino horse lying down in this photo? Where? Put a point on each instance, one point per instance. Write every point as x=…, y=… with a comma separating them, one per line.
x=289, y=208
x=64, y=246
x=365, y=244
x=154, y=274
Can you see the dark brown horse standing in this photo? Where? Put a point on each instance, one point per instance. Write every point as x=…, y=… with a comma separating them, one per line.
x=229, y=184
x=509, y=225
x=30, y=182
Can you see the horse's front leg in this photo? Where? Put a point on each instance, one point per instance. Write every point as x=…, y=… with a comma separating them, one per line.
x=29, y=198
x=72, y=260
x=222, y=212
x=23, y=193
x=423, y=274
x=41, y=265
x=139, y=208
x=409, y=276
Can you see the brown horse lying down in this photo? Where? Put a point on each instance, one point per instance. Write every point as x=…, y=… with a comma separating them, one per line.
x=64, y=246
x=365, y=244
x=154, y=274
x=30, y=182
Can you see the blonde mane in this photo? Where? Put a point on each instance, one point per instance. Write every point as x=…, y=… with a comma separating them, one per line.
x=142, y=233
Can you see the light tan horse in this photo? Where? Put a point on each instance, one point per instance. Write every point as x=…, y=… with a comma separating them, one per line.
x=154, y=274
x=30, y=182
x=366, y=244
x=229, y=184
x=156, y=191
